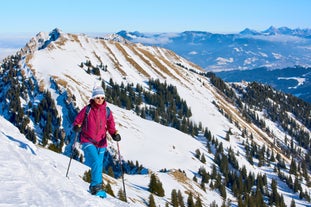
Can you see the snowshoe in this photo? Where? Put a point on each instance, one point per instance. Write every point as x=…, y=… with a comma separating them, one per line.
x=98, y=191
x=101, y=194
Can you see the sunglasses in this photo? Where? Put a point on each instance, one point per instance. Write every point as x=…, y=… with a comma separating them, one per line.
x=99, y=98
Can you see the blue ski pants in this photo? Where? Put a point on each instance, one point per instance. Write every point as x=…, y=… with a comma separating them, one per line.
x=94, y=157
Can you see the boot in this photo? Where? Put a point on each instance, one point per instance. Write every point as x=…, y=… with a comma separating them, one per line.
x=98, y=191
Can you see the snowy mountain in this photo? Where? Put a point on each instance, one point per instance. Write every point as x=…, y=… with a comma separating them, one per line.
x=230, y=55
x=53, y=76
x=272, y=48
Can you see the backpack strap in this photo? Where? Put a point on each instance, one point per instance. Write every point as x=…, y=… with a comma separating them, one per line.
x=87, y=111
x=107, y=112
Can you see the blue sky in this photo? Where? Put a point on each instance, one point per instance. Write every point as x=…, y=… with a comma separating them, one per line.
x=108, y=16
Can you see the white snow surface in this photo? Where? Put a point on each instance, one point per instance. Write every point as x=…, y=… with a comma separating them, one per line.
x=34, y=176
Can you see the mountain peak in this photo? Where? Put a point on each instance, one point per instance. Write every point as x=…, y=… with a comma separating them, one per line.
x=41, y=41
x=115, y=38
x=248, y=31
x=54, y=34
x=271, y=31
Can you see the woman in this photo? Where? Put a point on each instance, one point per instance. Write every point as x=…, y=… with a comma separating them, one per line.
x=93, y=122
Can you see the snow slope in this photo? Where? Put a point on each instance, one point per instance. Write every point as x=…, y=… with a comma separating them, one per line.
x=34, y=176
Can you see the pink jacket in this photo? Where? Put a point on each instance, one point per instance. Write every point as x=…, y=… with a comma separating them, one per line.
x=97, y=124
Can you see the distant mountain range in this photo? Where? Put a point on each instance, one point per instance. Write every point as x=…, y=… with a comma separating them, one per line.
x=272, y=48
x=231, y=56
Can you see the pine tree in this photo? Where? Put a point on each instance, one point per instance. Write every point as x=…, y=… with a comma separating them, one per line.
x=108, y=189
x=174, y=199
x=87, y=176
x=180, y=199
x=155, y=186
x=259, y=200
x=195, y=179
x=110, y=171
x=240, y=202
x=121, y=195
x=293, y=167
x=197, y=153
x=153, y=183
x=202, y=185
x=296, y=185
x=228, y=136
x=190, y=201
x=198, y=202
x=293, y=204
x=151, y=201
x=274, y=197
x=222, y=190
x=202, y=159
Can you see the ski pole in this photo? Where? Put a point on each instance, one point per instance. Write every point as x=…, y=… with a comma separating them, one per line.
x=72, y=154
x=122, y=172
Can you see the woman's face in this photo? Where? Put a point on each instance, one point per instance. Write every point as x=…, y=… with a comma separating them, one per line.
x=99, y=100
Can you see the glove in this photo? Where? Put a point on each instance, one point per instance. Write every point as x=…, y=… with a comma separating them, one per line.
x=116, y=137
x=76, y=145
x=77, y=129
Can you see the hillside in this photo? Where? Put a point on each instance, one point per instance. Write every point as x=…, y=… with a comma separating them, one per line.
x=293, y=80
x=34, y=176
x=45, y=84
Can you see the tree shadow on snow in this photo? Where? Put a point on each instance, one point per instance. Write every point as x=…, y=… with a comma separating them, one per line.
x=21, y=144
